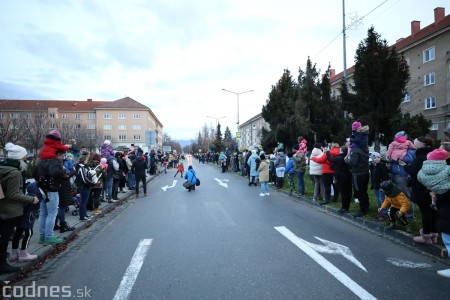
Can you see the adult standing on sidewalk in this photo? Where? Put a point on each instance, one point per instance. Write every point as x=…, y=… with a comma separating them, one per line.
x=343, y=178
x=11, y=206
x=48, y=176
x=358, y=161
x=84, y=186
x=280, y=165
x=327, y=170
x=138, y=168
x=419, y=193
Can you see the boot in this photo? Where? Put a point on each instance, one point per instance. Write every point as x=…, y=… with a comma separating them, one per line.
x=5, y=267
x=65, y=227
x=434, y=237
x=24, y=256
x=14, y=256
x=56, y=227
x=423, y=238
x=278, y=183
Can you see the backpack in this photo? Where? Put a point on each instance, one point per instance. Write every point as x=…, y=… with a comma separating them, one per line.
x=43, y=178
x=93, y=174
x=83, y=178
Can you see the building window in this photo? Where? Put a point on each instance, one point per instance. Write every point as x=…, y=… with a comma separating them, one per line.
x=1, y=116
x=51, y=115
x=64, y=116
x=77, y=116
x=65, y=126
x=107, y=127
x=91, y=116
x=107, y=137
x=429, y=79
x=107, y=116
x=27, y=126
x=428, y=54
x=434, y=127
x=78, y=126
x=52, y=126
x=430, y=102
x=14, y=115
x=122, y=137
x=122, y=127
x=136, y=116
x=137, y=137
x=122, y=116
x=27, y=137
x=90, y=126
x=137, y=127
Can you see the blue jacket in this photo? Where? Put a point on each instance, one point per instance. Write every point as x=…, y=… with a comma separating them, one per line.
x=190, y=176
x=290, y=166
x=252, y=164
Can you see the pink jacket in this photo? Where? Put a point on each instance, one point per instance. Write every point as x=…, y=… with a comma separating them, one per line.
x=397, y=149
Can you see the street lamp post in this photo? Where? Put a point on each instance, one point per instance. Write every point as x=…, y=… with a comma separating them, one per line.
x=237, y=95
x=216, y=119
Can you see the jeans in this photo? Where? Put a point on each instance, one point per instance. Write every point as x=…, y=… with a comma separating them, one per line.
x=264, y=187
x=379, y=195
x=47, y=215
x=446, y=240
x=109, y=186
x=61, y=214
x=301, y=182
x=131, y=180
x=84, y=197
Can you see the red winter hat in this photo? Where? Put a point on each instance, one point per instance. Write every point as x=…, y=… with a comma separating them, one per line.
x=437, y=154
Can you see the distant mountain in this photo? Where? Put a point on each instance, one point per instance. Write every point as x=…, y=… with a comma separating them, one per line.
x=183, y=143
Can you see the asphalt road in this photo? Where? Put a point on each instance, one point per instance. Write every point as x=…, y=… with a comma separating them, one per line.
x=224, y=241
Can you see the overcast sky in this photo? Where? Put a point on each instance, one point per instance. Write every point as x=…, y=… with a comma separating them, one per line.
x=176, y=56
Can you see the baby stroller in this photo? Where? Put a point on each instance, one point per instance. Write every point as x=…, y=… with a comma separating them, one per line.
x=75, y=201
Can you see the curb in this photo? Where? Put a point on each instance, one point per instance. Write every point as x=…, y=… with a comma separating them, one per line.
x=44, y=251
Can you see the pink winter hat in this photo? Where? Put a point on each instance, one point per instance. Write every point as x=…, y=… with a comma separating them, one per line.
x=437, y=154
x=55, y=133
x=356, y=125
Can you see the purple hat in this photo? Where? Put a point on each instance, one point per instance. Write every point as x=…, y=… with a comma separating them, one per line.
x=55, y=133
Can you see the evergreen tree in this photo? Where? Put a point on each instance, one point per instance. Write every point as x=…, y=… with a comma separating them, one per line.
x=380, y=79
x=228, y=140
x=217, y=145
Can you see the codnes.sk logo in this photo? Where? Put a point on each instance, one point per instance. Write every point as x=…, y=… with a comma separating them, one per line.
x=39, y=291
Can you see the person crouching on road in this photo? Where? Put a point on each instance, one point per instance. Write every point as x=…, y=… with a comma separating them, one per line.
x=191, y=179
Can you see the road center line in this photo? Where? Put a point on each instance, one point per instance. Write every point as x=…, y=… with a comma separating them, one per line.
x=324, y=263
x=126, y=285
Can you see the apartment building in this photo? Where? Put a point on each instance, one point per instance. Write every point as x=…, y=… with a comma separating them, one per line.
x=251, y=131
x=124, y=121
x=427, y=52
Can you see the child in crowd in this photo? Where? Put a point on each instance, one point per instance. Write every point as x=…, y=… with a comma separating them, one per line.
x=379, y=172
x=25, y=227
x=52, y=143
x=263, y=170
x=435, y=176
x=359, y=137
x=290, y=172
x=399, y=147
x=69, y=163
x=106, y=149
x=302, y=145
x=397, y=203
x=180, y=169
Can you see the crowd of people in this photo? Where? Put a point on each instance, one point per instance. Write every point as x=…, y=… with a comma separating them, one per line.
x=412, y=174
x=66, y=175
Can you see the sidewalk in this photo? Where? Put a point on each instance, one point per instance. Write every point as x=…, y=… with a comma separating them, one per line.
x=43, y=251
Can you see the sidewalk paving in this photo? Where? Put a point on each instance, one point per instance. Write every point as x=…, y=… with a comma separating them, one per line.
x=43, y=251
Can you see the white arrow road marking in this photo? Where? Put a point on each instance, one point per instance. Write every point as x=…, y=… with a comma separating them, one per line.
x=406, y=263
x=221, y=183
x=169, y=187
x=334, y=248
x=124, y=290
x=324, y=263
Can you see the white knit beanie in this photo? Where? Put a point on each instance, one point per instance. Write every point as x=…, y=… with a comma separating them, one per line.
x=15, y=151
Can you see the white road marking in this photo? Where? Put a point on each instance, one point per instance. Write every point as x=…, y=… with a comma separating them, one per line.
x=221, y=182
x=324, y=263
x=335, y=248
x=406, y=263
x=126, y=285
x=171, y=186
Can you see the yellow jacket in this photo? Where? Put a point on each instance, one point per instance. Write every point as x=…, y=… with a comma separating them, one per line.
x=400, y=201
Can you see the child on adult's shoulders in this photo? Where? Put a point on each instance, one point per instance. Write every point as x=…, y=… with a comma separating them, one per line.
x=359, y=137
